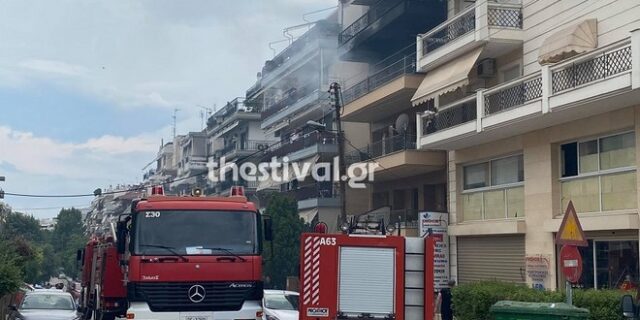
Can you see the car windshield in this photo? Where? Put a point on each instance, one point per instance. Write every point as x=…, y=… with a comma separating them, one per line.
x=47, y=301
x=201, y=232
x=281, y=301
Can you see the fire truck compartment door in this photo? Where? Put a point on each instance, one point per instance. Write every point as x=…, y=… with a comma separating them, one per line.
x=367, y=281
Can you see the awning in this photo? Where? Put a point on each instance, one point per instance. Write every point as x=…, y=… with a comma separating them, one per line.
x=570, y=41
x=447, y=77
x=308, y=215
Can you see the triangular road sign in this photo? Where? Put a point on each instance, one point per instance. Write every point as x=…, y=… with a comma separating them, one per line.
x=571, y=232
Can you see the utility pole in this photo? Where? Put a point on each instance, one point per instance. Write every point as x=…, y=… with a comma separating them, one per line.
x=334, y=89
x=2, y=179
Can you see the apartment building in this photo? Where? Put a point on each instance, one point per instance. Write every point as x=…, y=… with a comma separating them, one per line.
x=190, y=156
x=536, y=104
x=293, y=90
x=234, y=135
x=379, y=38
x=164, y=169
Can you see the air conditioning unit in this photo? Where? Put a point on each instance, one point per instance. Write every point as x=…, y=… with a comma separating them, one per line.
x=486, y=68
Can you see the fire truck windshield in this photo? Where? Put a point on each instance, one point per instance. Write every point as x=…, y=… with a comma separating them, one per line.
x=195, y=233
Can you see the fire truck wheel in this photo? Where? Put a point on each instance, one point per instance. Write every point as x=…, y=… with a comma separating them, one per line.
x=102, y=316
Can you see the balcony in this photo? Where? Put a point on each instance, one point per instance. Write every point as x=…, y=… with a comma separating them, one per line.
x=236, y=150
x=319, y=194
x=294, y=103
x=566, y=91
x=378, y=96
x=382, y=29
x=304, y=146
x=228, y=117
x=498, y=26
x=397, y=158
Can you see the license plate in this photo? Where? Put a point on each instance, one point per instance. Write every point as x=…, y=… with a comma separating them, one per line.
x=196, y=318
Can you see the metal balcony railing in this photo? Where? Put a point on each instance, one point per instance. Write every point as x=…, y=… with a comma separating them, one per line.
x=391, y=71
x=249, y=145
x=290, y=97
x=458, y=113
x=498, y=15
x=405, y=218
x=512, y=94
x=381, y=148
x=374, y=13
x=314, y=191
x=602, y=66
x=284, y=148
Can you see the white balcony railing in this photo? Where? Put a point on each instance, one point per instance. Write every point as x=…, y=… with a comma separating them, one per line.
x=498, y=15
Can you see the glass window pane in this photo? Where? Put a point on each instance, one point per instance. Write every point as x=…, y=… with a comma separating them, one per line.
x=494, y=207
x=515, y=202
x=616, y=262
x=507, y=170
x=619, y=191
x=569, y=154
x=475, y=176
x=588, y=156
x=472, y=206
x=585, y=194
x=618, y=151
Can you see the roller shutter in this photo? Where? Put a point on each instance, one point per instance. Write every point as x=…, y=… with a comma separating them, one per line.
x=491, y=258
x=367, y=281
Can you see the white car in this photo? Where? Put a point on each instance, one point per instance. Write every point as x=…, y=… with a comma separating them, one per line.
x=280, y=305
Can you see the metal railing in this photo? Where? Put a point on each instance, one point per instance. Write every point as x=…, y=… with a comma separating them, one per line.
x=290, y=97
x=313, y=191
x=248, y=145
x=598, y=67
x=458, y=113
x=405, y=65
x=498, y=15
x=374, y=13
x=284, y=148
x=406, y=218
x=381, y=148
x=513, y=94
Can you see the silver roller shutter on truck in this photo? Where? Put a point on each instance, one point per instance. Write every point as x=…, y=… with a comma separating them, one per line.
x=367, y=281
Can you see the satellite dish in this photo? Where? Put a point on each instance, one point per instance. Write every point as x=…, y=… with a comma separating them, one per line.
x=402, y=123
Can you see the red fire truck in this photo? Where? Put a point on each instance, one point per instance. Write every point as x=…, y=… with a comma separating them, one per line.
x=186, y=258
x=366, y=276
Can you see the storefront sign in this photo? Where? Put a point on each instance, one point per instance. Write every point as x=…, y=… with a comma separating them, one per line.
x=537, y=267
x=437, y=222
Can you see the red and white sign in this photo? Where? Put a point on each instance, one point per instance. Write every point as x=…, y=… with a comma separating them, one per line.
x=571, y=263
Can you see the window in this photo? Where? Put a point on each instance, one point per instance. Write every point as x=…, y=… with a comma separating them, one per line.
x=599, y=174
x=494, y=189
x=607, y=264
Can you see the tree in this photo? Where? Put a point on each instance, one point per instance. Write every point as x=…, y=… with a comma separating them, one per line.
x=10, y=275
x=287, y=227
x=20, y=225
x=68, y=236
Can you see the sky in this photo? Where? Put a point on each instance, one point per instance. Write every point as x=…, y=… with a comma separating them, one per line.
x=88, y=88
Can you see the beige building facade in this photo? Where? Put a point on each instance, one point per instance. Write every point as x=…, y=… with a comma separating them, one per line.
x=536, y=104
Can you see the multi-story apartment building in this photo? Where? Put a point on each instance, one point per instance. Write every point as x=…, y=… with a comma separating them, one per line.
x=165, y=169
x=379, y=38
x=292, y=90
x=190, y=156
x=536, y=103
x=234, y=134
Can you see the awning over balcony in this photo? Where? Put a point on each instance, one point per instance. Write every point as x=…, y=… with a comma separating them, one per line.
x=308, y=215
x=289, y=174
x=570, y=41
x=447, y=77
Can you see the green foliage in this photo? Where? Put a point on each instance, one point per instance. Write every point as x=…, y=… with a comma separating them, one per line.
x=472, y=301
x=287, y=227
x=17, y=224
x=10, y=274
x=67, y=237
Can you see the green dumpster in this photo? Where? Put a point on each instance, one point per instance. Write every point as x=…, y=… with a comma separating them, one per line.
x=515, y=310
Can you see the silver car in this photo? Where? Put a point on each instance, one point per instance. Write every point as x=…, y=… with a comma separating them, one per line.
x=280, y=305
x=44, y=305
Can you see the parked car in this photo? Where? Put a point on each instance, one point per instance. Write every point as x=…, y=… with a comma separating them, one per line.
x=44, y=305
x=280, y=305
